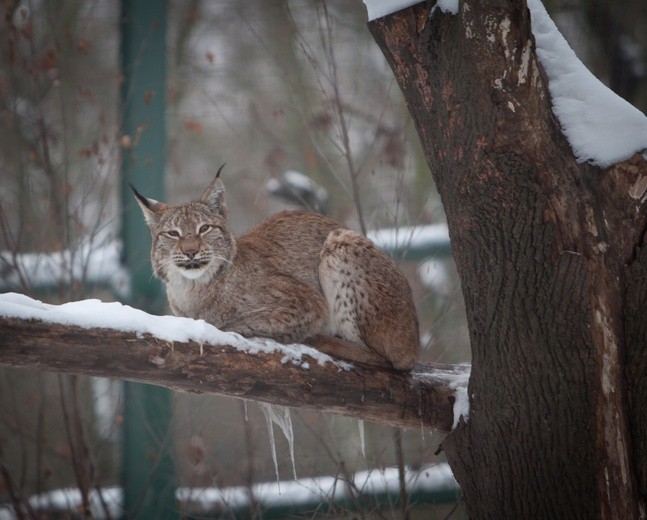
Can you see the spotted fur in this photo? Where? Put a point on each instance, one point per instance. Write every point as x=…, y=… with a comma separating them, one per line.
x=296, y=277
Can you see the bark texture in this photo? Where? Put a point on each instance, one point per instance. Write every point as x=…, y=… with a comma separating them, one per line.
x=420, y=399
x=547, y=251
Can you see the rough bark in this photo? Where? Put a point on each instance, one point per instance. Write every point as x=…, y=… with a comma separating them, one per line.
x=542, y=246
x=420, y=399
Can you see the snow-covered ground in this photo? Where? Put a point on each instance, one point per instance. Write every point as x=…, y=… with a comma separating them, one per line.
x=298, y=493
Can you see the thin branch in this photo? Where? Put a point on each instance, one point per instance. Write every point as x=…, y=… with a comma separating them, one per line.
x=399, y=455
x=348, y=154
x=21, y=507
x=78, y=460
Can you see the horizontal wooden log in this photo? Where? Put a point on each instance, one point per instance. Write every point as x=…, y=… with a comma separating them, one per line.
x=423, y=398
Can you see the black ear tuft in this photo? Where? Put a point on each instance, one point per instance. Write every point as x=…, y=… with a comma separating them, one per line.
x=214, y=196
x=140, y=197
x=220, y=169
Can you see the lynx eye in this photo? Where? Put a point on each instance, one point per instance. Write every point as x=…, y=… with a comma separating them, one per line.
x=172, y=233
x=204, y=228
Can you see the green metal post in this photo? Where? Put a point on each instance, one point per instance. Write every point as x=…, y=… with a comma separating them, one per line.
x=148, y=476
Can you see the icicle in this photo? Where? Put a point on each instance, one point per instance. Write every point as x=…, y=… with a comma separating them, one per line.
x=246, y=416
x=280, y=415
x=286, y=426
x=267, y=410
x=362, y=445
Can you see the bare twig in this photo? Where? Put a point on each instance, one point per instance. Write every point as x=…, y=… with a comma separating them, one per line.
x=327, y=39
x=399, y=455
x=20, y=505
x=76, y=444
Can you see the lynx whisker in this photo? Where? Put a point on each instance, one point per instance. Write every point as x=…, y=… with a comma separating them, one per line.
x=223, y=259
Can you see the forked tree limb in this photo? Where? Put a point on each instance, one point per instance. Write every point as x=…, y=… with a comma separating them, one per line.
x=552, y=260
x=422, y=398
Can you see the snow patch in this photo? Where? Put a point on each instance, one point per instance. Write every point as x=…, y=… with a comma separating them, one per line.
x=380, y=8
x=433, y=275
x=303, y=493
x=601, y=127
x=317, y=490
x=431, y=236
x=457, y=379
x=447, y=6
x=115, y=316
x=89, y=262
x=461, y=400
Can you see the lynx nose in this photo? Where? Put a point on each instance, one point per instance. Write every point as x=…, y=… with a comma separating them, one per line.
x=190, y=247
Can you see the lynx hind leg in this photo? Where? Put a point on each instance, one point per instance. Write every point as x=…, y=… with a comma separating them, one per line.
x=347, y=350
x=369, y=299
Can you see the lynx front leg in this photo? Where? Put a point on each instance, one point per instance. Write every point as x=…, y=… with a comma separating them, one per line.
x=283, y=309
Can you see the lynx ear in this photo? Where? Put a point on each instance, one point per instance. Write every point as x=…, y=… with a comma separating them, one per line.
x=214, y=196
x=150, y=207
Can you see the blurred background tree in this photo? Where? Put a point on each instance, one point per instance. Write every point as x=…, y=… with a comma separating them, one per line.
x=266, y=87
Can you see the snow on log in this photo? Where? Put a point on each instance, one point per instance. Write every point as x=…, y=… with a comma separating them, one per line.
x=113, y=340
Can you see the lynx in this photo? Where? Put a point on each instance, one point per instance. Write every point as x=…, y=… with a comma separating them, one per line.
x=297, y=277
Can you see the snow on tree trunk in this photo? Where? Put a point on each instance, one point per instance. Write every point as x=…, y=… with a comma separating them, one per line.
x=553, y=271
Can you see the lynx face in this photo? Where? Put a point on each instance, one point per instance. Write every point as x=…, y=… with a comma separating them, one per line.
x=190, y=240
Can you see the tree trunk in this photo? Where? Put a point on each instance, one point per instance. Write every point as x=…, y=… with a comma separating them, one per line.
x=423, y=398
x=553, y=271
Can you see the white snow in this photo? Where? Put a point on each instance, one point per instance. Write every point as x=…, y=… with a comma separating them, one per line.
x=300, y=185
x=305, y=492
x=90, y=262
x=461, y=402
x=433, y=275
x=457, y=378
x=447, y=6
x=317, y=490
x=405, y=237
x=380, y=8
x=601, y=127
x=69, y=499
x=115, y=316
